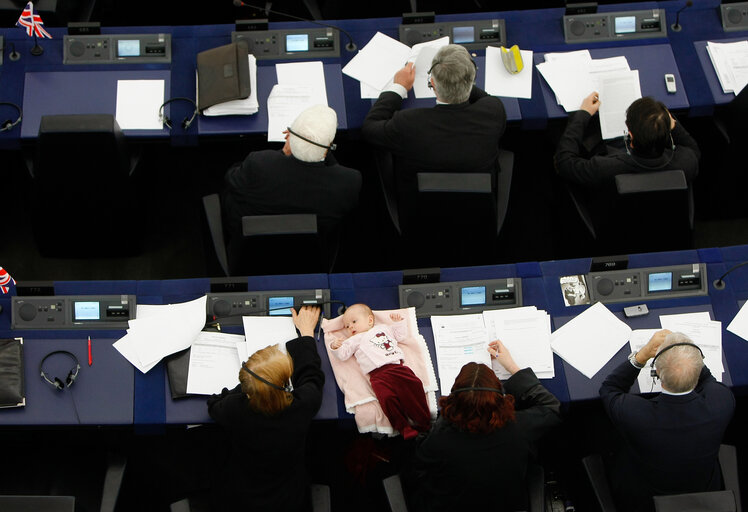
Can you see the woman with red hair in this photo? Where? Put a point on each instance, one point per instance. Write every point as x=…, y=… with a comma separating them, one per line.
x=477, y=453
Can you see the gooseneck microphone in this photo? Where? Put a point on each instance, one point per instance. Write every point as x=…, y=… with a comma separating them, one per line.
x=351, y=46
x=719, y=284
x=676, y=27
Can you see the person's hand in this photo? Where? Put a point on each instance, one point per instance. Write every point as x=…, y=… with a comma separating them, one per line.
x=336, y=344
x=591, y=104
x=649, y=350
x=287, y=146
x=396, y=317
x=406, y=76
x=306, y=319
x=502, y=355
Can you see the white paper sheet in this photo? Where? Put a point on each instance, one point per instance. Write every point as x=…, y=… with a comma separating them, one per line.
x=639, y=338
x=138, y=102
x=422, y=54
x=378, y=61
x=704, y=332
x=571, y=83
x=214, y=363
x=526, y=333
x=591, y=339
x=617, y=91
x=500, y=82
x=459, y=339
x=246, y=106
x=263, y=331
x=730, y=61
x=739, y=324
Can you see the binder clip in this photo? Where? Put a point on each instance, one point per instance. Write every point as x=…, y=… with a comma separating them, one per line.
x=512, y=59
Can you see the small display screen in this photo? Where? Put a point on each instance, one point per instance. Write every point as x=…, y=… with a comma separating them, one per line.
x=473, y=296
x=128, y=48
x=661, y=282
x=625, y=25
x=86, y=311
x=280, y=306
x=297, y=43
x=461, y=35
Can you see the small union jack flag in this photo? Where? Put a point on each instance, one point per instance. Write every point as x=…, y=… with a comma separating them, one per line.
x=5, y=280
x=32, y=22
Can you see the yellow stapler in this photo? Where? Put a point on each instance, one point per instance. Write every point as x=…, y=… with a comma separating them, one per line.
x=512, y=59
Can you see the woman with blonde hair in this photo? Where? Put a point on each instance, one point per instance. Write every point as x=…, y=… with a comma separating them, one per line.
x=268, y=416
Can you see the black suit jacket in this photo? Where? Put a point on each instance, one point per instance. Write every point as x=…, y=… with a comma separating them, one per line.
x=457, y=137
x=671, y=441
x=270, y=183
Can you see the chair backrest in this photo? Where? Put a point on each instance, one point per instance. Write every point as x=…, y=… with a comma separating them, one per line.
x=595, y=468
x=716, y=501
x=29, y=503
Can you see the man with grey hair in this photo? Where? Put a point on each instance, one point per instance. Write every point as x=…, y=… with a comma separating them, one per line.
x=460, y=134
x=670, y=441
x=303, y=177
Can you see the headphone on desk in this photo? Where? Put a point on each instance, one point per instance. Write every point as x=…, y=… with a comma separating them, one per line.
x=8, y=124
x=653, y=371
x=72, y=374
x=186, y=122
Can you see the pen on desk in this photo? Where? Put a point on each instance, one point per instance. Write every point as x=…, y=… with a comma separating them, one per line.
x=90, y=360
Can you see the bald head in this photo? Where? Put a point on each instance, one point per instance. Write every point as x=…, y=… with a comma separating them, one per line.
x=678, y=368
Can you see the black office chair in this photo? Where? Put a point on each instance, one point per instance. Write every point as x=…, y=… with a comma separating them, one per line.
x=638, y=212
x=320, y=497
x=271, y=244
x=83, y=188
x=727, y=500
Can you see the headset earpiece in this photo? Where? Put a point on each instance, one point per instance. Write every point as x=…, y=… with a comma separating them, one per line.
x=59, y=384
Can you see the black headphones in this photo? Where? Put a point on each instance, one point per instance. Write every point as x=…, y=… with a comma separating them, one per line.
x=186, y=122
x=72, y=375
x=331, y=147
x=653, y=371
x=497, y=390
x=8, y=124
x=288, y=388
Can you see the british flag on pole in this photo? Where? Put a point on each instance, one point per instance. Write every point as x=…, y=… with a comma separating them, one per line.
x=32, y=22
x=5, y=280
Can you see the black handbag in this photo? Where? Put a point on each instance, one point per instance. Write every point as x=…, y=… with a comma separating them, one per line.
x=12, y=384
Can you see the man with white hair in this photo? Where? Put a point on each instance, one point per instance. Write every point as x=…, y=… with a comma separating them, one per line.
x=671, y=441
x=460, y=134
x=303, y=177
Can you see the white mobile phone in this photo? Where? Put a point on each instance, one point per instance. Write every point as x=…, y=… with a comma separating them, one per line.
x=670, y=83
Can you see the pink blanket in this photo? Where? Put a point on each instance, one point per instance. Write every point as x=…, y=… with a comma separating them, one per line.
x=359, y=397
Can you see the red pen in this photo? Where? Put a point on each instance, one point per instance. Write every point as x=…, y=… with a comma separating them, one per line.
x=90, y=360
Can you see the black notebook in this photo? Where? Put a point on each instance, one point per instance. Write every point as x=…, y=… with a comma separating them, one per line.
x=177, y=369
x=12, y=385
x=223, y=74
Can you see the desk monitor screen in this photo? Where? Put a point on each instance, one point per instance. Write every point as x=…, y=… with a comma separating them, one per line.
x=86, y=311
x=660, y=282
x=280, y=306
x=473, y=296
x=463, y=35
x=625, y=24
x=128, y=48
x=297, y=42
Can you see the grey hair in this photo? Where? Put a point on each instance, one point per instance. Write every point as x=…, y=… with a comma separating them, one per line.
x=453, y=72
x=317, y=123
x=679, y=368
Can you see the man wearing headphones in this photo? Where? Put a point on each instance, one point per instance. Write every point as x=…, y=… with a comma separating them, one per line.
x=303, y=177
x=655, y=142
x=671, y=441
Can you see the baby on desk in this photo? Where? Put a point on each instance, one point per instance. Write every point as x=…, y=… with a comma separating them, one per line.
x=399, y=391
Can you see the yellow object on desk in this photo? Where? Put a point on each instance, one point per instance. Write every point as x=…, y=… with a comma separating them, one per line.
x=512, y=59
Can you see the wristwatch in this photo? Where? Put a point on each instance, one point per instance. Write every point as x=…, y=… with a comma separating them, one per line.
x=634, y=362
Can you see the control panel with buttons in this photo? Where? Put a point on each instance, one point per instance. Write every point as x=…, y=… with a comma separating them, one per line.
x=311, y=43
x=613, y=26
x=117, y=49
x=232, y=306
x=734, y=16
x=72, y=312
x=461, y=296
x=473, y=35
x=648, y=283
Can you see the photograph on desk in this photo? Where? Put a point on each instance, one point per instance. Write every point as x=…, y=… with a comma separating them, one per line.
x=574, y=290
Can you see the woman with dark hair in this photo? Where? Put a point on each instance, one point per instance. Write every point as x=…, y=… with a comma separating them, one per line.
x=477, y=453
x=267, y=416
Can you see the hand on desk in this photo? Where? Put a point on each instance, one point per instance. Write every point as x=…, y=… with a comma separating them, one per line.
x=406, y=76
x=591, y=104
x=502, y=355
x=306, y=319
x=649, y=350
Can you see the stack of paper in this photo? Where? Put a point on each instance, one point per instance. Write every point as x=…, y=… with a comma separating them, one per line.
x=591, y=339
x=573, y=76
x=246, y=106
x=214, y=362
x=462, y=339
x=730, y=61
x=704, y=332
x=377, y=62
x=158, y=331
x=300, y=86
x=138, y=102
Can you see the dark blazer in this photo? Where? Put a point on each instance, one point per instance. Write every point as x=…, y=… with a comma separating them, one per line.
x=265, y=470
x=269, y=183
x=671, y=441
x=458, y=137
x=574, y=164
x=458, y=470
